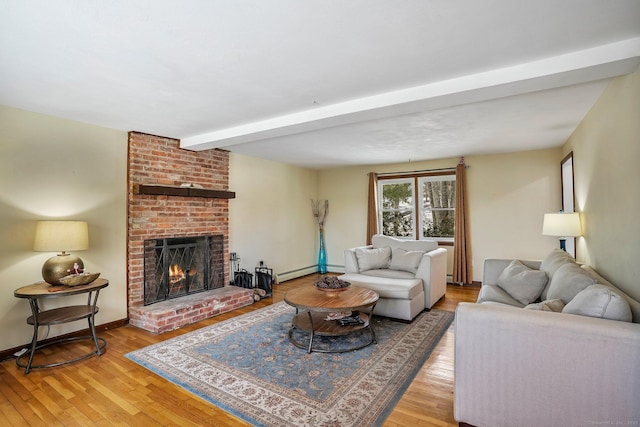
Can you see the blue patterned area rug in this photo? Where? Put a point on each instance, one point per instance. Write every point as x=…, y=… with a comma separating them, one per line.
x=247, y=366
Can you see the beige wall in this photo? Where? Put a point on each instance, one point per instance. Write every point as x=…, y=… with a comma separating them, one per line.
x=270, y=219
x=52, y=168
x=508, y=196
x=606, y=157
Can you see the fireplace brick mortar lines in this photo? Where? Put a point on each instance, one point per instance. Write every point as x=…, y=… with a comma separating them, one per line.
x=156, y=160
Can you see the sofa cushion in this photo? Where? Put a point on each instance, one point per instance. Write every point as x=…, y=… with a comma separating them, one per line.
x=568, y=281
x=555, y=305
x=389, y=274
x=556, y=259
x=521, y=282
x=379, y=240
x=494, y=293
x=373, y=259
x=405, y=260
x=633, y=304
x=599, y=301
x=387, y=287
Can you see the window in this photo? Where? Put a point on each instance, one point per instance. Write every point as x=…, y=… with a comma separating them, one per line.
x=433, y=215
x=397, y=207
x=438, y=208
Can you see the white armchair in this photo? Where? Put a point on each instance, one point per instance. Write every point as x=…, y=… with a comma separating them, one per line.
x=409, y=275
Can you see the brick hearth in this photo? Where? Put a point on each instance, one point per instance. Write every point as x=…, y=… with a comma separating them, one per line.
x=173, y=314
x=155, y=160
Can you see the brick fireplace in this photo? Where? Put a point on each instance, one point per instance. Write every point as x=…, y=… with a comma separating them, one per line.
x=175, y=193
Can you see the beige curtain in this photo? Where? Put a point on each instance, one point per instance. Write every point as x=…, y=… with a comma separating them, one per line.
x=461, y=244
x=372, y=209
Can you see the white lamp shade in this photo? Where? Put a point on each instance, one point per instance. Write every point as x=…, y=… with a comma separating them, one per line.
x=562, y=224
x=61, y=236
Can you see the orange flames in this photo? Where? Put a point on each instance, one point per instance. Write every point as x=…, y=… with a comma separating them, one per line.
x=175, y=273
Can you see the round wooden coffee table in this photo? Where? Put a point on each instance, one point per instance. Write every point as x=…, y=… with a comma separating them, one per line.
x=313, y=306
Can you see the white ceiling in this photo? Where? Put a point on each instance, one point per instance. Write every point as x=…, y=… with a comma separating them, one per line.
x=321, y=83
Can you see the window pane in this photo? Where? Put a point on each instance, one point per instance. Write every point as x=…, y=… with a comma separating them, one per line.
x=397, y=223
x=397, y=209
x=439, y=223
x=439, y=194
x=397, y=196
x=438, y=209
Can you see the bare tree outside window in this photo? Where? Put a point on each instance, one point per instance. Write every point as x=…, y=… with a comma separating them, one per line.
x=438, y=208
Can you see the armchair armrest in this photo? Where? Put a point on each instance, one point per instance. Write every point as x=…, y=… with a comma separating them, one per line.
x=432, y=270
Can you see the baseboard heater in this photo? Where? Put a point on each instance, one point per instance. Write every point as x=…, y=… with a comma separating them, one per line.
x=305, y=271
x=294, y=274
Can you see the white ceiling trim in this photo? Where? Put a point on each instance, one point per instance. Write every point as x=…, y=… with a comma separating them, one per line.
x=596, y=63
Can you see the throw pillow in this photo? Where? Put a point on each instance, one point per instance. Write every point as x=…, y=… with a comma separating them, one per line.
x=494, y=293
x=521, y=282
x=568, y=281
x=373, y=259
x=599, y=301
x=555, y=305
x=405, y=260
x=556, y=259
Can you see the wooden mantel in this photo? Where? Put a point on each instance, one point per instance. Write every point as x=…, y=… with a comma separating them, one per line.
x=165, y=190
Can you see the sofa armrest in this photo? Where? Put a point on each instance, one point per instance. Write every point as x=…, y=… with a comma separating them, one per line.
x=526, y=367
x=432, y=270
x=351, y=261
x=494, y=267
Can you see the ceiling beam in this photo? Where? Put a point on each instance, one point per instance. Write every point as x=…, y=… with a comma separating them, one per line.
x=572, y=68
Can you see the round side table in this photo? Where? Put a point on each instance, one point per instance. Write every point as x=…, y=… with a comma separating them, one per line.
x=60, y=315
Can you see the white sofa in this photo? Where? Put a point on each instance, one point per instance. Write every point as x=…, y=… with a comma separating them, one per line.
x=537, y=367
x=409, y=275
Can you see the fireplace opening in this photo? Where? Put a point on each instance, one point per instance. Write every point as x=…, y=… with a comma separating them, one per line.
x=178, y=266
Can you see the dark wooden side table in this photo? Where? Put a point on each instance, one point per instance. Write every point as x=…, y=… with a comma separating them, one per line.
x=61, y=315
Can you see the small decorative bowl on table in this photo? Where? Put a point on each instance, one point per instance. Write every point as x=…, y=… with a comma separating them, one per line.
x=79, y=279
x=332, y=286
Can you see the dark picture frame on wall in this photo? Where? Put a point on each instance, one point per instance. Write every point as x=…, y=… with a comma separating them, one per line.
x=568, y=195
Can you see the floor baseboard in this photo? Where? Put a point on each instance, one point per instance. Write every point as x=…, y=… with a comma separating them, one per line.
x=10, y=353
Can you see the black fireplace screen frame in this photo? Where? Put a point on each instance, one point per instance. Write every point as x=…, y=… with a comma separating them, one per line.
x=197, y=264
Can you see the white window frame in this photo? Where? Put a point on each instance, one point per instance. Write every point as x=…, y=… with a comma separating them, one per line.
x=411, y=182
x=421, y=209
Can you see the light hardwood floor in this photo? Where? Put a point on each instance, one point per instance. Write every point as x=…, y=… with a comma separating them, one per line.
x=112, y=390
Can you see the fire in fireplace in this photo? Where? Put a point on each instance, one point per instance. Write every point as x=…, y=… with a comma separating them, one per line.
x=174, y=267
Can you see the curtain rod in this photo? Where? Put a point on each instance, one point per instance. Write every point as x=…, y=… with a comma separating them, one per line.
x=419, y=171
x=449, y=169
